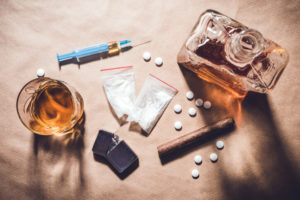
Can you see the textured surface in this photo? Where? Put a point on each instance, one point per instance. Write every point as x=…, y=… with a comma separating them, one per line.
x=261, y=157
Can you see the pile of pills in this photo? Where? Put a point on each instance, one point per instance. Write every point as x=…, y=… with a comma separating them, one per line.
x=147, y=57
x=191, y=111
x=213, y=158
x=199, y=102
x=206, y=104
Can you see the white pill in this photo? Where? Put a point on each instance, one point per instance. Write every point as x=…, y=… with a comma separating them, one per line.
x=199, y=102
x=158, y=61
x=192, y=112
x=147, y=56
x=207, y=105
x=177, y=125
x=177, y=108
x=195, y=173
x=189, y=95
x=213, y=157
x=220, y=144
x=198, y=159
x=40, y=72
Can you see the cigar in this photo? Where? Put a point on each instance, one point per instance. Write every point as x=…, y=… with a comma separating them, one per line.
x=194, y=136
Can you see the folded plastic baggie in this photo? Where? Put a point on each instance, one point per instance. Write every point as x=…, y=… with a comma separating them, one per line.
x=119, y=88
x=152, y=102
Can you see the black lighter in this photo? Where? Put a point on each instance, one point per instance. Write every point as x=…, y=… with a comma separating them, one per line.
x=116, y=152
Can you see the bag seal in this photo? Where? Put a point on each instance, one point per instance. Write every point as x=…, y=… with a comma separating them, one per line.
x=115, y=68
x=163, y=82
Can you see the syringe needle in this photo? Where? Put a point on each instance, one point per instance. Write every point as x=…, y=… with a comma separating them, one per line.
x=141, y=43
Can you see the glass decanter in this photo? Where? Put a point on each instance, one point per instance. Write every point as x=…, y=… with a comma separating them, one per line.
x=227, y=53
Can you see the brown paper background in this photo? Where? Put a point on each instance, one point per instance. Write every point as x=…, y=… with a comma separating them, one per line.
x=261, y=157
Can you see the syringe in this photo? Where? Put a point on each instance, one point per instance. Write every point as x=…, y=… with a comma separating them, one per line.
x=112, y=48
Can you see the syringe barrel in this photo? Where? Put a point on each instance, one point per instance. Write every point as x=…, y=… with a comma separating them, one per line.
x=84, y=52
x=112, y=48
x=65, y=56
x=88, y=51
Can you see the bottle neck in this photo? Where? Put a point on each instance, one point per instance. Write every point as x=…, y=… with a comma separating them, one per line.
x=244, y=46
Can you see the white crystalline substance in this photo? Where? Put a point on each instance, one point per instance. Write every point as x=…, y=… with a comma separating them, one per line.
x=120, y=90
x=151, y=103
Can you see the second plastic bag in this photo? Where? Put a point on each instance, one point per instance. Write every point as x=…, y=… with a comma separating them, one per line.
x=152, y=102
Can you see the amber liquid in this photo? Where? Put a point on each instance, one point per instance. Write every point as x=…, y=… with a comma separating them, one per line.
x=214, y=52
x=52, y=106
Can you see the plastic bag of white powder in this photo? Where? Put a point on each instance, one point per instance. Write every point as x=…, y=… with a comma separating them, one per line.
x=119, y=87
x=152, y=102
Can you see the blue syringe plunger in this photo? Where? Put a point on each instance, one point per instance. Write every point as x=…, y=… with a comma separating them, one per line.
x=88, y=51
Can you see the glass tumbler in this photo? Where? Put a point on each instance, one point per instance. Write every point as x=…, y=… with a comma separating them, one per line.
x=46, y=106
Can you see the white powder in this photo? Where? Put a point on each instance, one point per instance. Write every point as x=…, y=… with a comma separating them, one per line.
x=151, y=102
x=119, y=87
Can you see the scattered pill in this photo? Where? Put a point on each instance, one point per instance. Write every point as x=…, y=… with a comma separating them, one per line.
x=189, y=95
x=199, y=102
x=40, y=72
x=207, y=105
x=220, y=144
x=198, y=159
x=213, y=157
x=192, y=112
x=177, y=125
x=195, y=173
x=177, y=108
x=158, y=61
x=147, y=56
